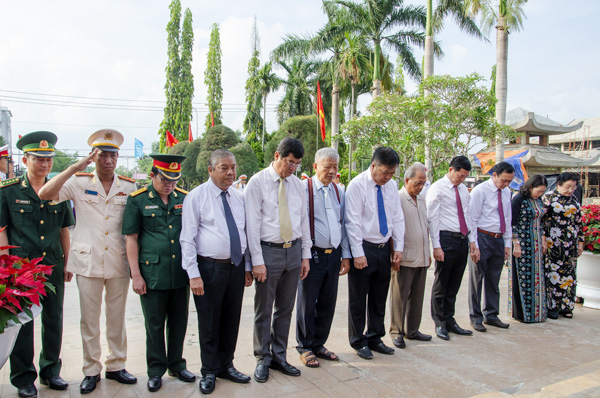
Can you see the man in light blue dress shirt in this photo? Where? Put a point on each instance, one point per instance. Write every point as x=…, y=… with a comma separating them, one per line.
x=317, y=293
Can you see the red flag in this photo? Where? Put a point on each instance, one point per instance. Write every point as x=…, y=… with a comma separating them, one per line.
x=320, y=112
x=190, y=138
x=212, y=120
x=171, y=140
x=20, y=136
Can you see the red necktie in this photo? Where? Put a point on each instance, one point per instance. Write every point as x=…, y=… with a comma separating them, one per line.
x=501, y=213
x=461, y=214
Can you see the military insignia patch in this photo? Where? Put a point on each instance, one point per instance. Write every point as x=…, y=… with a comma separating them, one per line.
x=150, y=195
x=151, y=207
x=43, y=144
x=24, y=184
x=23, y=202
x=174, y=166
x=52, y=203
x=121, y=194
x=108, y=136
x=178, y=207
x=87, y=191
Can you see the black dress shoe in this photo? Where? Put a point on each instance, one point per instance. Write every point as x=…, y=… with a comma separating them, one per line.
x=55, y=383
x=454, y=328
x=183, y=375
x=27, y=391
x=553, y=314
x=285, y=368
x=420, y=337
x=381, y=348
x=497, y=323
x=89, y=384
x=232, y=374
x=365, y=353
x=207, y=383
x=442, y=333
x=154, y=383
x=261, y=373
x=399, y=342
x=122, y=376
x=478, y=326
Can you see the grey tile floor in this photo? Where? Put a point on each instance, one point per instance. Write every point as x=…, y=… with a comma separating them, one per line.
x=558, y=358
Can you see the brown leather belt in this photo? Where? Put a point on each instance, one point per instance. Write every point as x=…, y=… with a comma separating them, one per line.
x=492, y=234
x=214, y=260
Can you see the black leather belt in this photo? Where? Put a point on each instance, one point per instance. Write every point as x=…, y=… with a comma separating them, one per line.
x=285, y=245
x=453, y=234
x=214, y=260
x=326, y=251
x=492, y=234
x=377, y=245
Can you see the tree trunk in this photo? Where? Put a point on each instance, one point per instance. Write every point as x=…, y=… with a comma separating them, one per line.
x=376, y=89
x=428, y=71
x=352, y=164
x=264, y=122
x=501, y=81
x=335, y=116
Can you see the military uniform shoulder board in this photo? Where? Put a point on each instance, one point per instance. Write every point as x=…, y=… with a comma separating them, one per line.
x=139, y=191
x=84, y=174
x=126, y=178
x=11, y=181
x=183, y=191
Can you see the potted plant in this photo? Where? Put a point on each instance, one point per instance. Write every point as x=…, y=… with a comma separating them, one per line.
x=22, y=283
x=588, y=264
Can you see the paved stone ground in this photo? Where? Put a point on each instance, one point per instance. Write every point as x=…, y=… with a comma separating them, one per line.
x=558, y=358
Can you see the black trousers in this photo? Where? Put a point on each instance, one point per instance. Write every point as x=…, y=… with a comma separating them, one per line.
x=448, y=276
x=317, y=296
x=219, y=311
x=367, y=295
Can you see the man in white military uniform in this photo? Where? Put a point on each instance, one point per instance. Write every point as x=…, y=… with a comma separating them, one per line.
x=98, y=255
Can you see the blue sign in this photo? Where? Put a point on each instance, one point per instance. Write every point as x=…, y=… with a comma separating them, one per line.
x=139, y=149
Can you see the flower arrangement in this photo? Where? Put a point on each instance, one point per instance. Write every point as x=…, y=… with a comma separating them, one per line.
x=590, y=217
x=22, y=283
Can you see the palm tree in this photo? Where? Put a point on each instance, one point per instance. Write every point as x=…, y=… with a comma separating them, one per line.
x=505, y=15
x=382, y=21
x=329, y=39
x=300, y=84
x=435, y=22
x=354, y=59
x=268, y=82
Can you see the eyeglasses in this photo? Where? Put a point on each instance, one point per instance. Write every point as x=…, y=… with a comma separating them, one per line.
x=293, y=165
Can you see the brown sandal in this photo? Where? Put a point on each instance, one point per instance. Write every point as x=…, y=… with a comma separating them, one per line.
x=326, y=354
x=309, y=359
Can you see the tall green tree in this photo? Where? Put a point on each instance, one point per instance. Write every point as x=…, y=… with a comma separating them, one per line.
x=505, y=16
x=389, y=22
x=253, y=123
x=212, y=79
x=179, y=85
x=435, y=23
x=354, y=59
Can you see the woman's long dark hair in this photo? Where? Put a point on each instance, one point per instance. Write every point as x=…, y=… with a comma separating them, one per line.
x=533, y=182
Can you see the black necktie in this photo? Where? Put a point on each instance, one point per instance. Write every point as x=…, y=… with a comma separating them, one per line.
x=234, y=236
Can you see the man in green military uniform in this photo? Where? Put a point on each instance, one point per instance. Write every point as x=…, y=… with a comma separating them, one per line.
x=39, y=229
x=152, y=224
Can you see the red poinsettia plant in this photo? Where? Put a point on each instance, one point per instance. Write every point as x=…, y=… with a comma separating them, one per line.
x=590, y=217
x=22, y=283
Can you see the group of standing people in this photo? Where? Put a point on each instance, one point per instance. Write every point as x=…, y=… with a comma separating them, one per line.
x=293, y=239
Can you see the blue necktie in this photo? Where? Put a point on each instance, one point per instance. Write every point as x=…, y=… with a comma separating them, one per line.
x=234, y=236
x=383, y=228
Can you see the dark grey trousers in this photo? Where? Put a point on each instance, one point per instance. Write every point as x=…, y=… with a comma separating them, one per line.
x=274, y=301
x=485, y=276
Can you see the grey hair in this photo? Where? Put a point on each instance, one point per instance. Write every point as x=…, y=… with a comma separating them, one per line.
x=326, y=154
x=412, y=170
x=218, y=155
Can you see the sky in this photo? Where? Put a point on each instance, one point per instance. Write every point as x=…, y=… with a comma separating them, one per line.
x=115, y=52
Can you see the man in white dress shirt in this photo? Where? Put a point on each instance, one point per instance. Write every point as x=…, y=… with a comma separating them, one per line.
x=449, y=217
x=213, y=244
x=317, y=294
x=491, y=217
x=279, y=243
x=373, y=216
